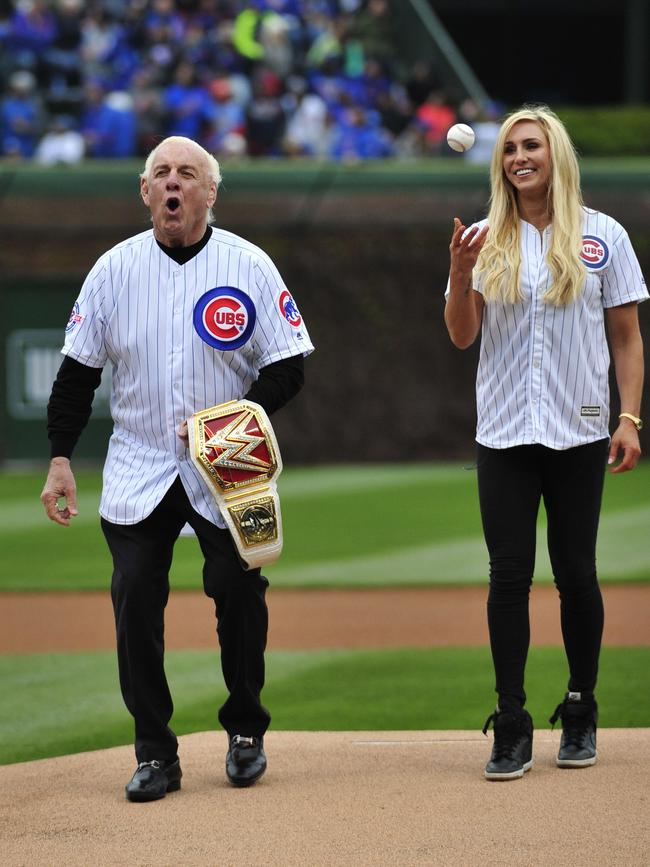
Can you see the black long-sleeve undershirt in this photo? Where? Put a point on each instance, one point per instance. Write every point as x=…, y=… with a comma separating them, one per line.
x=70, y=403
x=277, y=383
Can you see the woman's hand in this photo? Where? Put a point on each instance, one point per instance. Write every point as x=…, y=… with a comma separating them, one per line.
x=464, y=251
x=464, y=308
x=625, y=443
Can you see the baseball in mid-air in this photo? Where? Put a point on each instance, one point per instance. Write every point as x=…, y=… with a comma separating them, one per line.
x=460, y=137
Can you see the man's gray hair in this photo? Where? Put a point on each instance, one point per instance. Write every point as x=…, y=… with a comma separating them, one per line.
x=213, y=165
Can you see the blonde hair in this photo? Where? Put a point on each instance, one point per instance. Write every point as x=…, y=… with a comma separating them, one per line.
x=499, y=262
x=213, y=166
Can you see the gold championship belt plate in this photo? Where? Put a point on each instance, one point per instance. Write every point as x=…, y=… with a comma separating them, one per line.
x=235, y=450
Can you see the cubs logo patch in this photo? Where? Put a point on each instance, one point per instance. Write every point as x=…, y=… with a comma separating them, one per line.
x=595, y=252
x=75, y=317
x=224, y=317
x=289, y=309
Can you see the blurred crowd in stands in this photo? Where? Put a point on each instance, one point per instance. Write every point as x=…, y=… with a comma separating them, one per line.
x=108, y=79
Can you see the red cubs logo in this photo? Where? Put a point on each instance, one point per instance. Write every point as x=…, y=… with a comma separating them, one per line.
x=595, y=252
x=224, y=317
x=289, y=309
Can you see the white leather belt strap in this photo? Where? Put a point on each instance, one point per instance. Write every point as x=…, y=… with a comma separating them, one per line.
x=234, y=448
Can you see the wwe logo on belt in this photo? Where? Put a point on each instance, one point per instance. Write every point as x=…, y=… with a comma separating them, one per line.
x=235, y=446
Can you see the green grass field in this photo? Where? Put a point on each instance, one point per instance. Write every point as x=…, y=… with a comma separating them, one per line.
x=57, y=704
x=346, y=526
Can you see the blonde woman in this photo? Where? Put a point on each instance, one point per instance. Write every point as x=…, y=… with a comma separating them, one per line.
x=542, y=278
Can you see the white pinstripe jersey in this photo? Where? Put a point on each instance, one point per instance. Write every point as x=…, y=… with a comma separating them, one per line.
x=543, y=370
x=179, y=338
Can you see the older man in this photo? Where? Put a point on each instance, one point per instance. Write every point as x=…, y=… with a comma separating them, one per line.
x=141, y=310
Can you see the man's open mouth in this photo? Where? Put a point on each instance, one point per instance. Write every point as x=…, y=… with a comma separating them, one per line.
x=173, y=204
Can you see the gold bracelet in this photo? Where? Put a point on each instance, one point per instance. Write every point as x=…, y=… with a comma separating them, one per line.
x=638, y=424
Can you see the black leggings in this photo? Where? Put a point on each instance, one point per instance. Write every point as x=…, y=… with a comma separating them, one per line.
x=511, y=484
x=142, y=556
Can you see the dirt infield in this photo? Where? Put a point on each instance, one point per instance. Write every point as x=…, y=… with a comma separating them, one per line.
x=315, y=619
x=336, y=799
x=330, y=799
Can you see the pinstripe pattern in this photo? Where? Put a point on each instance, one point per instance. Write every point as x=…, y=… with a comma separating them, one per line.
x=136, y=309
x=542, y=368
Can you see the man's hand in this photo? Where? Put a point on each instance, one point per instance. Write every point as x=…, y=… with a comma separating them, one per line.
x=60, y=484
x=625, y=439
x=183, y=433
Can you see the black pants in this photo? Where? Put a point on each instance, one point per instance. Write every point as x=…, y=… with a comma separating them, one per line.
x=142, y=556
x=511, y=484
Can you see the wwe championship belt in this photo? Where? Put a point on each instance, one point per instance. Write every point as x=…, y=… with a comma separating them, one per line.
x=234, y=447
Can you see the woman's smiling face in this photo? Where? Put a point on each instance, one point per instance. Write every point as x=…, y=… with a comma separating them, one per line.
x=527, y=159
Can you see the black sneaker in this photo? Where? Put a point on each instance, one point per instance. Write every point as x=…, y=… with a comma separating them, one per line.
x=152, y=780
x=579, y=723
x=245, y=761
x=512, y=753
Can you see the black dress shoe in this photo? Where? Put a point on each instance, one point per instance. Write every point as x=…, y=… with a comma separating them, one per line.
x=246, y=761
x=152, y=780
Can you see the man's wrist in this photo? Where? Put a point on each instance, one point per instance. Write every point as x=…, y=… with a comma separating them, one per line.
x=62, y=444
x=58, y=460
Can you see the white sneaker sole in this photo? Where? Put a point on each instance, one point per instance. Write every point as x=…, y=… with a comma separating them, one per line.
x=513, y=775
x=575, y=763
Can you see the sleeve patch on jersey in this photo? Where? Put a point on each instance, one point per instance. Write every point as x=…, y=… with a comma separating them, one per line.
x=75, y=318
x=595, y=252
x=289, y=309
x=224, y=317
